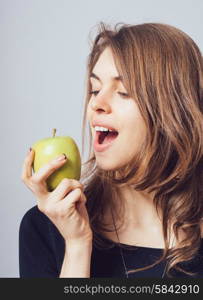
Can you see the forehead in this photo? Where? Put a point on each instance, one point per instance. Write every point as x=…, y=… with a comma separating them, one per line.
x=105, y=68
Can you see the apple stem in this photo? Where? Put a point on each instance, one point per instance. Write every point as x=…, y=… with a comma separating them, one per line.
x=53, y=132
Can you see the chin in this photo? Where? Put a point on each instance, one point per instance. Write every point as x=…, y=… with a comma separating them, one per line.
x=107, y=165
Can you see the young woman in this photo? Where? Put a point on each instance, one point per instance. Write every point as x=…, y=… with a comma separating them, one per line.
x=138, y=209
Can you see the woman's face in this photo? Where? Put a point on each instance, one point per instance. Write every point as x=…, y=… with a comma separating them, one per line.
x=108, y=106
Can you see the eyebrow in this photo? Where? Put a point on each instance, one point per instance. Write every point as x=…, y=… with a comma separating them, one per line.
x=117, y=78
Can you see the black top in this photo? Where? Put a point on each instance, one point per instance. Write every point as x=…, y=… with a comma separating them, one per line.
x=41, y=254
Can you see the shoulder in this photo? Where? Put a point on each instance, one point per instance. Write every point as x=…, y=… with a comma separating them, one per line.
x=41, y=247
x=37, y=229
x=34, y=217
x=34, y=222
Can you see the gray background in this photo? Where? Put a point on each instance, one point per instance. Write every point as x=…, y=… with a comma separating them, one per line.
x=43, y=53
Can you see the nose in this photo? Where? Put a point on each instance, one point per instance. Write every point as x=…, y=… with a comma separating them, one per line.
x=101, y=102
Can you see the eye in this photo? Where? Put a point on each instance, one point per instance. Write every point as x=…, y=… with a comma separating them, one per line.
x=94, y=92
x=124, y=95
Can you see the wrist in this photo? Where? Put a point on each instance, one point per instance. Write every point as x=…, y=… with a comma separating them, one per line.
x=78, y=244
x=77, y=259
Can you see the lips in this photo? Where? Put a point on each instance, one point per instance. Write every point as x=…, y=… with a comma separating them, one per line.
x=104, y=124
x=102, y=140
x=100, y=136
x=105, y=137
x=108, y=142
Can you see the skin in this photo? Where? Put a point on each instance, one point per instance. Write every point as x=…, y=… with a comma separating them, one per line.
x=65, y=207
x=120, y=111
x=123, y=114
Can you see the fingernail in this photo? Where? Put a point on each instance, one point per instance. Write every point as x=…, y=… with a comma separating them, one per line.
x=62, y=157
x=30, y=149
x=65, y=157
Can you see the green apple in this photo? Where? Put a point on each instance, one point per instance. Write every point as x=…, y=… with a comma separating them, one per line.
x=49, y=148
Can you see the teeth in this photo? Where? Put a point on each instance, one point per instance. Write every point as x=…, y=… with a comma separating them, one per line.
x=98, y=128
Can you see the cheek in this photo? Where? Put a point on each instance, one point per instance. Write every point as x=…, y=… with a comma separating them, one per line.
x=132, y=119
x=134, y=132
x=138, y=131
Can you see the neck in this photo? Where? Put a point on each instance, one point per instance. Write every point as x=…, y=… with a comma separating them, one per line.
x=139, y=223
x=139, y=207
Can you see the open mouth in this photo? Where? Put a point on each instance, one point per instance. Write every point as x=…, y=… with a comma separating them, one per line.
x=104, y=137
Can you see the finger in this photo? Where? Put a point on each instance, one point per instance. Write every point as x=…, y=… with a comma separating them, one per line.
x=71, y=199
x=27, y=165
x=65, y=186
x=45, y=171
x=82, y=201
x=81, y=208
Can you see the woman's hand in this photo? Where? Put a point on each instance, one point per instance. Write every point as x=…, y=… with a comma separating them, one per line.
x=65, y=206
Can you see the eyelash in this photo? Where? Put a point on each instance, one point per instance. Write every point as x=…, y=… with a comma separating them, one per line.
x=122, y=94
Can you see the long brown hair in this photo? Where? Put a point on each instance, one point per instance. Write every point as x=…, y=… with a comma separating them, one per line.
x=162, y=69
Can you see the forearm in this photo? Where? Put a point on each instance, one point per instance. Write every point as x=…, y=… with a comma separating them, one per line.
x=77, y=260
